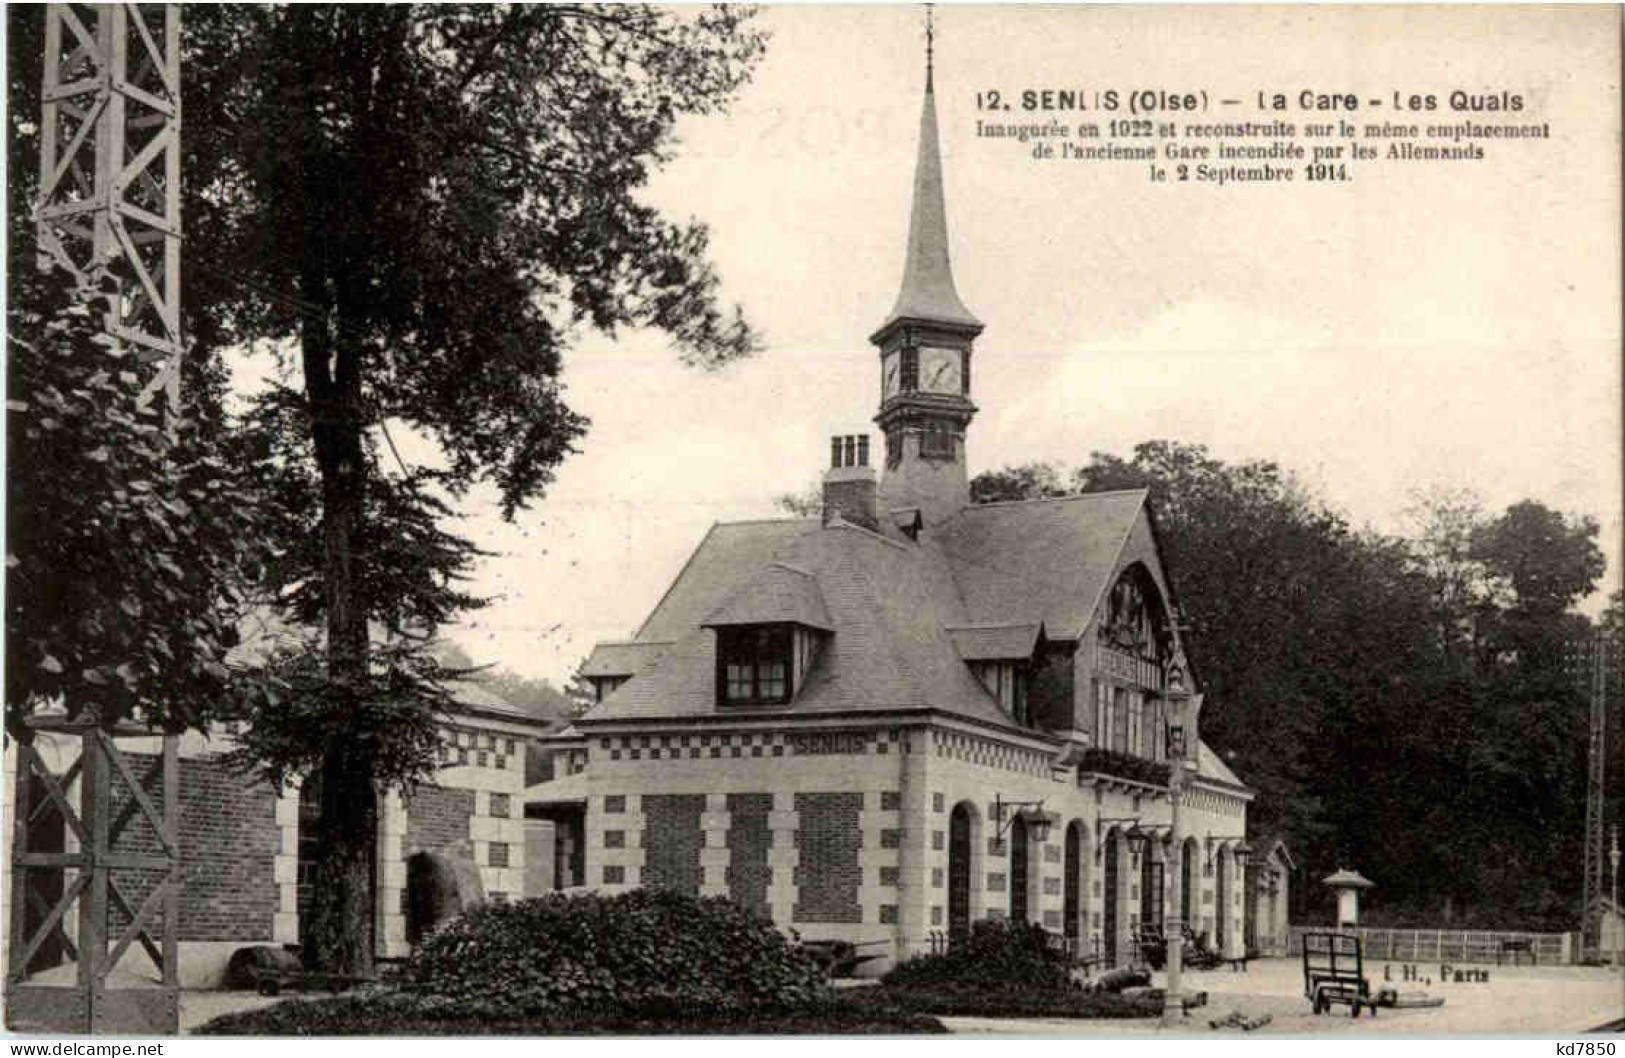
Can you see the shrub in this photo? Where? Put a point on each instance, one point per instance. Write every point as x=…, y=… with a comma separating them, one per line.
x=995, y=954
x=647, y=951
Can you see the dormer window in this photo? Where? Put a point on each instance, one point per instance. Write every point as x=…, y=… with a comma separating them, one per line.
x=755, y=665
x=1006, y=681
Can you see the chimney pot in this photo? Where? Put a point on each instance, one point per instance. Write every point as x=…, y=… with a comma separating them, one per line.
x=850, y=485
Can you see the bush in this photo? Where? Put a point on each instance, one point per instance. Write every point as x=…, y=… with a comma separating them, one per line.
x=995, y=954
x=644, y=952
x=393, y=1013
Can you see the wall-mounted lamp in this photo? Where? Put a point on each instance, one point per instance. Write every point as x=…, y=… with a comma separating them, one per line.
x=1038, y=822
x=1137, y=838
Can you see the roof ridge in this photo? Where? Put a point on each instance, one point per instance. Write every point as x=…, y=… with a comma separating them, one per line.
x=765, y=521
x=980, y=626
x=1055, y=499
x=842, y=523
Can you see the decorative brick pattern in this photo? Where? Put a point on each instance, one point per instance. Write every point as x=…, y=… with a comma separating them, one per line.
x=890, y=800
x=614, y=839
x=829, y=877
x=749, y=840
x=230, y=841
x=501, y=805
x=672, y=840
x=614, y=804
x=497, y=854
x=988, y=753
x=437, y=820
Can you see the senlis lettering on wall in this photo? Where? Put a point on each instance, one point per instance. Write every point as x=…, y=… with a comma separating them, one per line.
x=828, y=743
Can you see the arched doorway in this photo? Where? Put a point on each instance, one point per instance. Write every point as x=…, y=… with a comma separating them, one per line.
x=1151, y=889
x=1072, y=886
x=1189, y=879
x=1221, y=906
x=959, y=849
x=1018, y=869
x=1109, y=901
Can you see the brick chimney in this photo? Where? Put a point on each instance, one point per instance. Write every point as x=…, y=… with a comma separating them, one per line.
x=850, y=483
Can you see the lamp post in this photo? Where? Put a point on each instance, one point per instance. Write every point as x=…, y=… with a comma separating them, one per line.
x=1182, y=709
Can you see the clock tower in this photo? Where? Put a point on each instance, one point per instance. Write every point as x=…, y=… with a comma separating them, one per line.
x=925, y=353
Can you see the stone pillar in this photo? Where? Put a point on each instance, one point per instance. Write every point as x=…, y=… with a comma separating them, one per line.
x=714, y=853
x=915, y=820
x=783, y=857
x=285, y=867
x=389, y=921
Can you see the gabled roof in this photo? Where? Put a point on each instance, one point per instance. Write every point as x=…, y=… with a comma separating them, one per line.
x=888, y=604
x=623, y=658
x=777, y=594
x=1040, y=560
x=995, y=642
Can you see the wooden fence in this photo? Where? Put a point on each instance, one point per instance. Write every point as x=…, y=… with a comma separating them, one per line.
x=1451, y=945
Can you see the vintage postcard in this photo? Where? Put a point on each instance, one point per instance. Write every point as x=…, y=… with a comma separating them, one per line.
x=1070, y=520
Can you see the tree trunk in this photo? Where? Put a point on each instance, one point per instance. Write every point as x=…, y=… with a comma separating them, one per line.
x=341, y=929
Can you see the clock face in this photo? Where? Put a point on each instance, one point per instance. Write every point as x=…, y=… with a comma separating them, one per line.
x=891, y=368
x=940, y=370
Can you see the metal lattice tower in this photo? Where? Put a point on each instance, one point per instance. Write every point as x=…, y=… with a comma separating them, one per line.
x=110, y=171
x=1596, y=661
x=1596, y=760
x=109, y=212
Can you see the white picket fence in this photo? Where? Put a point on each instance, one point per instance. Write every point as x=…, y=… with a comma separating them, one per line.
x=1451, y=945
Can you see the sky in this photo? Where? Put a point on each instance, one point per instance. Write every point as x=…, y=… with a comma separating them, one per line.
x=1423, y=325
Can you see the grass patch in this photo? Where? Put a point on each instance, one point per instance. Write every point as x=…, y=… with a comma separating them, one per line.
x=1008, y=1001
x=394, y=1013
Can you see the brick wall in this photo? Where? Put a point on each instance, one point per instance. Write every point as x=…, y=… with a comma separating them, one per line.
x=672, y=840
x=229, y=839
x=749, y=840
x=829, y=837
x=437, y=821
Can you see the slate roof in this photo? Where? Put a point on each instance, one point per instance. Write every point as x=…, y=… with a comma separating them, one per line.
x=928, y=291
x=997, y=642
x=777, y=594
x=905, y=615
x=1210, y=766
x=1041, y=560
x=622, y=659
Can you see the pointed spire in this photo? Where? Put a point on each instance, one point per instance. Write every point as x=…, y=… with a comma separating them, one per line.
x=928, y=280
x=930, y=40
